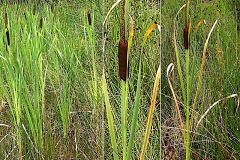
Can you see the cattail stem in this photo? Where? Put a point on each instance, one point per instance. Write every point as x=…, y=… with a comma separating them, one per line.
x=123, y=20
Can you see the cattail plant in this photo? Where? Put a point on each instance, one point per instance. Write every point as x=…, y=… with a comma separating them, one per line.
x=187, y=99
x=187, y=83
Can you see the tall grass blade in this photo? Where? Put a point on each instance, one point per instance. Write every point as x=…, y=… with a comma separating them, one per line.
x=135, y=114
x=169, y=71
x=215, y=103
x=149, y=30
x=177, y=57
x=113, y=6
x=202, y=66
x=150, y=114
x=110, y=118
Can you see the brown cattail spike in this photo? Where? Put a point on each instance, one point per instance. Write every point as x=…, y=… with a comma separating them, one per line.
x=8, y=37
x=52, y=6
x=41, y=23
x=89, y=18
x=186, y=28
x=185, y=37
x=6, y=28
x=34, y=9
x=6, y=20
x=122, y=59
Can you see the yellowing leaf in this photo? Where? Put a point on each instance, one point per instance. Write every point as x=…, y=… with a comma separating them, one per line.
x=149, y=30
x=131, y=32
x=199, y=23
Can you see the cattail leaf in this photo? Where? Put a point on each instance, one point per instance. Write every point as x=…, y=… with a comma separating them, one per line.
x=214, y=104
x=199, y=23
x=150, y=114
x=113, y=6
x=135, y=114
x=110, y=119
x=131, y=33
x=149, y=30
x=170, y=69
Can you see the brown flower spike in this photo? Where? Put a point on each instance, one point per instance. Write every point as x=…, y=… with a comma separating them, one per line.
x=185, y=37
x=89, y=18
x=6, y=28
x=41, y=23
x=186, y=30
x=122, y=59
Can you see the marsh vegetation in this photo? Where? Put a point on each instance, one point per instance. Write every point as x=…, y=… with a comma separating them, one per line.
x=113, y=80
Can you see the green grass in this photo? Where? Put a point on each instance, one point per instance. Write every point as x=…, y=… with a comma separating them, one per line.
x=60, y=92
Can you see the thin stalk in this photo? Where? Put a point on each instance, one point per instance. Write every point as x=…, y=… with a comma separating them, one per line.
x=135, y=114
x=124, y=117
x=187, y=105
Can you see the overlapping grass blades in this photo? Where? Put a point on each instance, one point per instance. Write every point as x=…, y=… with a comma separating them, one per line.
x=21, y=78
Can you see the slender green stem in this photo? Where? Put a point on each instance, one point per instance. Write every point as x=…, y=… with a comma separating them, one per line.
x=124, y=118
x=187, y=106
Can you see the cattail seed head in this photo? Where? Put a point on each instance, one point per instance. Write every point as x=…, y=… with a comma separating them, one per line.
x=122, y=59
x=8, y=37
x=89, y=18
x=6, y=20
x=34, y=9
x=52, y=6
x=6, y=28
x=185, y=37
x=41, y=23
